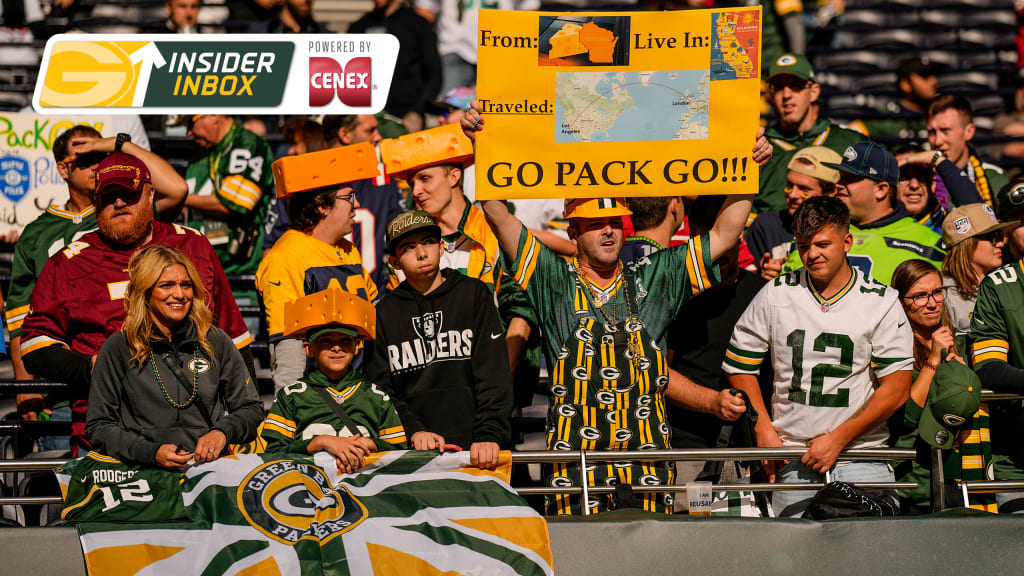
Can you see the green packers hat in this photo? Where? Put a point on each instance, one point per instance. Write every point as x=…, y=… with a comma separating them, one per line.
x=312, y=335
x=793, y=64
x=408, y=222
x=1010, y=201
x=953, y=399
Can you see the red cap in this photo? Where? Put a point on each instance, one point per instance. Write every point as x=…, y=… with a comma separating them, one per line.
x=123, y=170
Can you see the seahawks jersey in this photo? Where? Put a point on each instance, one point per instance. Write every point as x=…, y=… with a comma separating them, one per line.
x=997, y=335
x=300, y=414
x=48, y=234
x=98, y=487
x=237, y=172
x=826, y=352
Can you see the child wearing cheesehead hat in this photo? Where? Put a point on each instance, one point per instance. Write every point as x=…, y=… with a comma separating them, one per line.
x=332, y=407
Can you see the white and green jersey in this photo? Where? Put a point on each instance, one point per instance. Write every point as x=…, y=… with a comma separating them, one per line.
x=826, y=353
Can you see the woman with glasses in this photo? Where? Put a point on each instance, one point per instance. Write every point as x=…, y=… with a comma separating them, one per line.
x=974, y=241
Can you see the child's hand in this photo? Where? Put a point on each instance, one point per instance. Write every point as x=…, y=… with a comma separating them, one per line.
x=427, y=441
x=348, y=452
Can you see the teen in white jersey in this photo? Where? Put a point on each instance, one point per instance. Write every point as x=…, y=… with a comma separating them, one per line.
x=842, y=351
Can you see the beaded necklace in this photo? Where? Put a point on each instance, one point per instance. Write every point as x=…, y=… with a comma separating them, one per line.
x=632, y=340
x=980, y=179
x=160, y=381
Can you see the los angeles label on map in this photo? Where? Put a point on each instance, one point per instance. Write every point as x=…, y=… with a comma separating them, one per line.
x=627, y=104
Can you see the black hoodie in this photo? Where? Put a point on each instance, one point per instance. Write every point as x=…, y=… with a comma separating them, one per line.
x=443, y=357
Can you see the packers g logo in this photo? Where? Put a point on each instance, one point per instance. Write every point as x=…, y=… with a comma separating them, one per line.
x=199, y=365
x=289, y=502
x=85, y=74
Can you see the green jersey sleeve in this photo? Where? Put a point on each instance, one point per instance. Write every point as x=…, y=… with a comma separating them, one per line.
x=989, y=337
x=280, y=426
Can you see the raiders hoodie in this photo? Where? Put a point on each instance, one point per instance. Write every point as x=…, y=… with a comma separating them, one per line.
x=443, y=358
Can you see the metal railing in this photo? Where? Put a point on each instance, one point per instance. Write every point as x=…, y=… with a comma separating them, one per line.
x=583, y=456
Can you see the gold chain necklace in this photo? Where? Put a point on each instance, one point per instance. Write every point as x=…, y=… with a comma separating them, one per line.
x=632, y=341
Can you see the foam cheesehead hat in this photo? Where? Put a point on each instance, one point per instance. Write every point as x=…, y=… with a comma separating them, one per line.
x=970, y=220
x=121, y=169
x=595, y=208
x=447, y=144
x=330, y=310
x=817, y=157
x=953, y=399
x=331, y=167
x=406, y=223
x=793, y=64
x=869, y=160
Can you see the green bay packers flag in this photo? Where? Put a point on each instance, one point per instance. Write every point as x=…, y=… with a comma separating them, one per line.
x=223, y=73
x=406, y=512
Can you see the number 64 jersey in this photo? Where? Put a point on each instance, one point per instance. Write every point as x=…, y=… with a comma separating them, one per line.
x=827, y=353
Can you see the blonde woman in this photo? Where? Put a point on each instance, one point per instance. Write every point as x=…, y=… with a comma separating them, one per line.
x=974, y=241
x=161, y=386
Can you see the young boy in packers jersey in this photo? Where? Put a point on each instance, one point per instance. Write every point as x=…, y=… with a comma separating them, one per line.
x=333, y=407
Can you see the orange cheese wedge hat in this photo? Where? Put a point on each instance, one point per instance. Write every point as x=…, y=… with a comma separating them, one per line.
x=332, y=306
x=595, y=208
x=331, y=167
x=446, y=144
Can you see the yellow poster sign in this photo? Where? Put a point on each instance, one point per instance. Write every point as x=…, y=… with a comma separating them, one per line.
x=583, y=105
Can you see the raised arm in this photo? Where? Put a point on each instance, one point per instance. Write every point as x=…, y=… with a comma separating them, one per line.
x=732, y=218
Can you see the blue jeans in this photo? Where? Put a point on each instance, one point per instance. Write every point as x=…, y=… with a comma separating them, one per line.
x=793, y=503
x=62, y=414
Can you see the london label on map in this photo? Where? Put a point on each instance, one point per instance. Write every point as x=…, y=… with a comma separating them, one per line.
x=734, y=45
x=632, y=106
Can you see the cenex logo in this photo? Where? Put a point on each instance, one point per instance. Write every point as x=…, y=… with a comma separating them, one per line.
x=351, y=83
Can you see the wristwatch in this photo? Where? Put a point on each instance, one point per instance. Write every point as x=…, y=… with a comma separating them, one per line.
x=939, y=156
x=121, y=139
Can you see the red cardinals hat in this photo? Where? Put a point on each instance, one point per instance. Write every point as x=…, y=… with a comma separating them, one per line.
x=122, y=170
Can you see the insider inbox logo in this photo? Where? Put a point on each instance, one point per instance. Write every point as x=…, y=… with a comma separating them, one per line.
x=351, y=82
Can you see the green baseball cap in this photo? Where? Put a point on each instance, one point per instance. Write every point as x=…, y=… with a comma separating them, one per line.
x=408, y=222
x=1010, y=201
x=315, y=333
x=953, y=399
x=793, y=64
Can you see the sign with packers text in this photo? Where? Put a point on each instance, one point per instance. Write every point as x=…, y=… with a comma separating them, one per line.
x=618, y=104
x=226, y=73
x=30, y=178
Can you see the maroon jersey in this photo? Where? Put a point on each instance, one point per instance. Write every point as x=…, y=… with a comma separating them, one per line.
x=78, y=300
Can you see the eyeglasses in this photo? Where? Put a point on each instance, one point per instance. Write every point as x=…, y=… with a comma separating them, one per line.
x=346, y=197
x=921, y=300
x=86, y=160
x=994, y=237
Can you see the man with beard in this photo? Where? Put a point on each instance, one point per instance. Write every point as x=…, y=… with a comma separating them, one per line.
x=78, y=300
x=604, y=328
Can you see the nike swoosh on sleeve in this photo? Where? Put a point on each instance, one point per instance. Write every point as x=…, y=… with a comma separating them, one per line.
x=274, y=283
x=495, y=336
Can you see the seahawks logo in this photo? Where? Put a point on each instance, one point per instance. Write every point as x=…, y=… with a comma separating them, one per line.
x=559, y=391
x=953, y=420
x=584, y=335
x=605, y=397
x=610, y=373
x=623, y=435
x=289, y=502
x=589, y=433
x=566, y=410
x=561, y=445
x=649, y=480
x=199, y=365
x=643, y=413
x=850, y=154
x=580, y=373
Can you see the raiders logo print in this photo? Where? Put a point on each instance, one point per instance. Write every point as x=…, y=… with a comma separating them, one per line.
x=561, y=482
x=566, y=410
x=563, y=353
x=289, y=502
x=612, y=417
x=643, y=412
x=605, y=397
x=623, y=435
x=589, y=433
x=610, y=373
x=559, y=391
x=580, y=373
x=583, y=335
x=199, y=365
x=650, y=480
x=428, y=326
x=561, y=445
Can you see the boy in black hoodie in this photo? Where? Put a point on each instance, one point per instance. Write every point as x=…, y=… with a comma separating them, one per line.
x=440, y=349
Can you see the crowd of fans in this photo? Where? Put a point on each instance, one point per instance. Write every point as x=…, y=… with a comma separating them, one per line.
x=862, y=298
